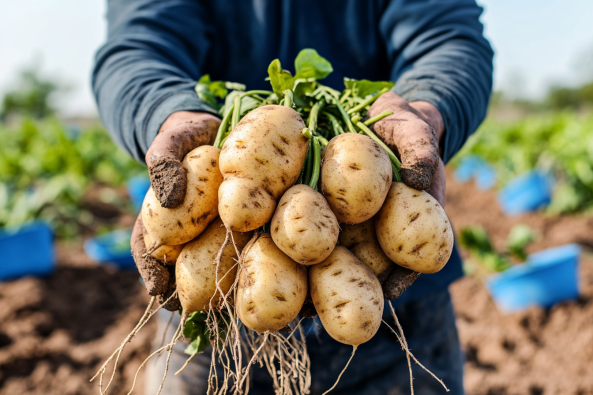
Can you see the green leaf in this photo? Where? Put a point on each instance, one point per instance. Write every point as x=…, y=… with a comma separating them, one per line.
x=476, y=240
x=309, y=64
x=280, y=79
x=209, y=91
x=364, y=88
x=519, y=238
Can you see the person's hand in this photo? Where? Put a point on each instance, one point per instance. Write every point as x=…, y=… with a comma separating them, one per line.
x=413, y=132
x=181, y=132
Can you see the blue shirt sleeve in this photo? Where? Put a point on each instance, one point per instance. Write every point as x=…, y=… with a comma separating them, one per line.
x=439, y=55
x=148, y=68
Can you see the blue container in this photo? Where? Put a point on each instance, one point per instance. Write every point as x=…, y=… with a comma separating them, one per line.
x=113, y=247
x=137, y=188
x=27, y=251
x=526, y=193
x=473, y=166
x=548, y=277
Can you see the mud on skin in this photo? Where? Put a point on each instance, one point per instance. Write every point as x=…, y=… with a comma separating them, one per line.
x=154, y=273
x=173, y=304
x=168, y=150
x=398, y=281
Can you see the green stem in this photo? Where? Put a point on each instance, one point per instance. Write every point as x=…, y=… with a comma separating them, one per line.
x=222, y=128
x=394, y=160
x=345, y=96
x=367, y=101
x=236, y=112
x=287, y=98
x=309, y=159
x=346, y=118
x=314, y=115
x=335, y=124
x=372, y=120
x=323, y=141
x=316, y=163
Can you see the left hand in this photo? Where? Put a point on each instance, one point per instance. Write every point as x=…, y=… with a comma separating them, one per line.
x=413, y=132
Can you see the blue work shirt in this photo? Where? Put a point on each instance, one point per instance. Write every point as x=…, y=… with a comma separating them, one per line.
x=156, y=51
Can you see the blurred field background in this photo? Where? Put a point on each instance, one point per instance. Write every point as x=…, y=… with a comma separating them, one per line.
x=58, y=164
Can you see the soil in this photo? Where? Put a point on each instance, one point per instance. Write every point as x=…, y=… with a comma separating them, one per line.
x=535, y=352
x=56, y=332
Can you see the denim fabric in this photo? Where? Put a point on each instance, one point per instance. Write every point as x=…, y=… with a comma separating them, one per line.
x=378, y=368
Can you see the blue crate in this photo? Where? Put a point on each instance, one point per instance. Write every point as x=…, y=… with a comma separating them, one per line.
x=27, y=251
x=525, y=193
x=137, y=188
x=106, y=248
x=473, y=166
x=548, y=277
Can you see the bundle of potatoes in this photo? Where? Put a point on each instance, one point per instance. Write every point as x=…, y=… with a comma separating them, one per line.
x=296, y=202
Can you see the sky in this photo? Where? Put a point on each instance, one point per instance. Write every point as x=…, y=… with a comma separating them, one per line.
x=537, y=43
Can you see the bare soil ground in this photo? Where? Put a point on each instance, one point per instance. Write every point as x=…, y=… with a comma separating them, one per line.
x=56, y=332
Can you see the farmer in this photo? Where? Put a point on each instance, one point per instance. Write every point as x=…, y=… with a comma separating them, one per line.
x=144, y=80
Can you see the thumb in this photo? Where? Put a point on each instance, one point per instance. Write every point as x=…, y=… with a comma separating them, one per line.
x=409, y=135
x=167, y=151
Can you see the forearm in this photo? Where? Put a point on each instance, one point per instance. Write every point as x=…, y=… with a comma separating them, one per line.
x=147, y=69
x=440, y=57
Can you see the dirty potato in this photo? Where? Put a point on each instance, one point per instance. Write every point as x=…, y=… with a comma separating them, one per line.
x=413, y=230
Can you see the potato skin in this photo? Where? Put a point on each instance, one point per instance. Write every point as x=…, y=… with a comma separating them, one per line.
x=181, y=224
x=166, y=254
x=272, y=287
x=361, y=240
x=260, y=160
x=195, y=270
x=303, y=226
x=347, y=297
x=355, y=177
x=413, y=230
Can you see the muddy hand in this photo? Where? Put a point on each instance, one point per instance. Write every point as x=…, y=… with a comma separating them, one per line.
x=154, y=273
x=413, y=131
x=181, y=132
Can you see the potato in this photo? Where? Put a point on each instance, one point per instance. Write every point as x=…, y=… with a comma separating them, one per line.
x=181, y=224
x=303, y=226
x=347, y=297
x=195, y=270
x=272, y=287
x=414, y=230
x=361, y=240
x=165, y=254
x=260, y=160
x=355, y=177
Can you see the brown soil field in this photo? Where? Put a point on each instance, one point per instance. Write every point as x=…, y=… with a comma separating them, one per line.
x=55, y=332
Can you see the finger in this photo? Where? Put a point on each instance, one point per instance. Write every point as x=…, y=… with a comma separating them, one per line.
x=408, y=134
x=398, y=281
x=153, y=272
x=439, y=183
x=172, y=304
x=167, y=151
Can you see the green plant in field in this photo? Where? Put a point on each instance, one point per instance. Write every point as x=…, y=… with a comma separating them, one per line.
x=560, y=143
x=44, y=173
x=475, y=239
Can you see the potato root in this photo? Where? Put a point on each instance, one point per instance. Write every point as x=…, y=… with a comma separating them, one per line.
x=361, y=240
x=272, y=287
x=355, y=177
x=413, y=230
x=196, y=269
x=261, y=158
x=183, y=223
x=347, y=297
x=303, y=226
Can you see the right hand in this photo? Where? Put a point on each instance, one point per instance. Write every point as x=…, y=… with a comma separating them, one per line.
x=181, y=132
